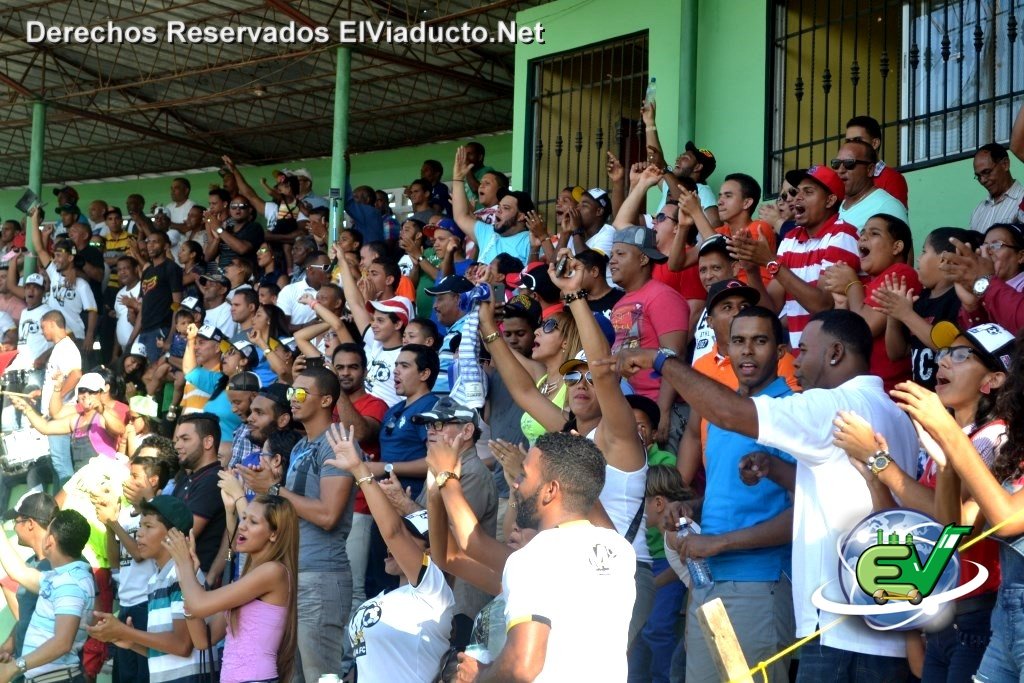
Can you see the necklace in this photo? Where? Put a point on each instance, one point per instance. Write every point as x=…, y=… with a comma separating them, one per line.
x=550, y=387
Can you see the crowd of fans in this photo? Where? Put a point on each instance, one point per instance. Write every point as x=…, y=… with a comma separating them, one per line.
x=479, y=443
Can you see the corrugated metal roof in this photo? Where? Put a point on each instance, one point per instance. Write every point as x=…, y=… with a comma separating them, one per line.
x=121, y=108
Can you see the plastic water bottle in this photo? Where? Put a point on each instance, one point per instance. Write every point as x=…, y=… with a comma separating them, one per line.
x=700, y=572
x=652, y=91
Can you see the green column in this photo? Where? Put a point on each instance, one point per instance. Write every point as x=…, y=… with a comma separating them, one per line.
x=35, y=172
x=688, y=73
x=342, y=79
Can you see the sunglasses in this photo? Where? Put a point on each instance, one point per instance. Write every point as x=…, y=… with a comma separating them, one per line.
x=549, y=326
x=573, y=378
x=319, y=266
x=662, y=217
x=239, y=206
x=959, y=354
x=299, y=395
x=262, y=250
x=848, y=164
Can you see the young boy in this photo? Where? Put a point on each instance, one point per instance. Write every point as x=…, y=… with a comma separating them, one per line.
x=148, y=477
x=165, y=640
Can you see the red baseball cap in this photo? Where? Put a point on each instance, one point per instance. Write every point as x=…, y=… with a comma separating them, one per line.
x=823, y=175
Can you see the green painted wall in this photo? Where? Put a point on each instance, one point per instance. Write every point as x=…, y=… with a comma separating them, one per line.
x=384, y=169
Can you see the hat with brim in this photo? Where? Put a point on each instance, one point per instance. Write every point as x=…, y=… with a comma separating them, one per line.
x=91, y=381
x=417, y=525
x=731, y=287
x=992, y=343
x=143, y=405
x=399, y=305
x=34, y=504
x=245, y=381
x=172, y=509
x=446, y=224
x=572, y=364
x=138, y=349
x=447, y=409
x=35, y=279
x=249, y=353
x=822, y=175
x=450, y=284
x=644, y=239
x=212, y=333
x=217, y=275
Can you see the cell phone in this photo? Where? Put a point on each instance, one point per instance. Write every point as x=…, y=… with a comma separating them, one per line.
x=314, y=360
x=561, y=266
x=498, y=294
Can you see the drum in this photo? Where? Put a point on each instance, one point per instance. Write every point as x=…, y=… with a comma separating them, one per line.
x=21, y=449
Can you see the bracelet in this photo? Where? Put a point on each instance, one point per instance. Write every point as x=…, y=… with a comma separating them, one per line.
x=846, y=291
x=652, y=128
x=234, y=503
x=569, y=298
x=188, y=615
x=363, y=480
x=491, y=337
x=458, y=180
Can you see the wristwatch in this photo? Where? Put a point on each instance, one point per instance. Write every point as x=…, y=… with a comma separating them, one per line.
x=21, y=664
x=659, y=361
x=981, y=285
x=220, y=231
x=388, y=469
x=443, y=478
x=878, y=462
x=274, y=490
x=773, y=268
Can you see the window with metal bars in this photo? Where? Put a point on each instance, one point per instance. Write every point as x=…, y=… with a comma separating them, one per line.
x=942, y=78
x=584, y=103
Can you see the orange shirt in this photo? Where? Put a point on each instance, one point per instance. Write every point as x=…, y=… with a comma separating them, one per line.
x=758, y=230
x=406, y=289
x=719, y=368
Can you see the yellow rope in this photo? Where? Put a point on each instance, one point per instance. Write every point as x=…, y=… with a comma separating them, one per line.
x=762, y=667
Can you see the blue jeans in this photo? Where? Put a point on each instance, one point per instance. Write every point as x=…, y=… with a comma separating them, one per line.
x=1004, y=658
x=130, y=666
x=822, y=664
x=954, y=653
x=650, y=658
x=148, y=339
x=60, y=456
x=324, y=603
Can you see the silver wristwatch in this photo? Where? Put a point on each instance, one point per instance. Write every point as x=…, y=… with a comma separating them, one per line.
x=981, y=286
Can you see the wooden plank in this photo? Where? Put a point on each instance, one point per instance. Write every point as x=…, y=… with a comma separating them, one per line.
x=721, y=640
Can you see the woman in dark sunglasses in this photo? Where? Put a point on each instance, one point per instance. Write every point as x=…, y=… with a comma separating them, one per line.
x=600, y=412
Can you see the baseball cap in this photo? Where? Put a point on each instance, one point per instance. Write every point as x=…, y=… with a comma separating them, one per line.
x=643, y=239
x=138, y=349
x=823, y=175
x=213, y=334
x=447, y=409
x=245, y=381
x=34, y=504
x=143, y=405
x=399, y=305
x=248, y=352
x=191, y=303
x=417, y=524
x=731, y=287
x=278, y=393
x=302, y=173
x=446, y=224
x=91, y=381
x=35, y=279
x=993, y=343
x=215, y=275
x=522, y=306
x=171, y=509
x=19, y=241
x=573, y=363
x=601, y=197
x=705, y=156
x=65, y=188
x=450, y=284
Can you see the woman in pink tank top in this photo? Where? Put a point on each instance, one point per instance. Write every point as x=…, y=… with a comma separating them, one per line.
x=255, y=615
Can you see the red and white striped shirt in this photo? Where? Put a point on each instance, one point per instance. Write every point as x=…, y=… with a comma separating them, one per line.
x=834, y=242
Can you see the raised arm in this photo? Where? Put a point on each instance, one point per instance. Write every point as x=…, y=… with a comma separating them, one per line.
x=462, y=210
x=354, y=297
x=630, y=209
x=244, y=188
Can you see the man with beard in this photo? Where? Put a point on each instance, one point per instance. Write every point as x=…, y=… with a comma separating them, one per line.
x=555, y=627
x=197, y=441
x=508, y=235
x=269, y=412
x=365, y=412
x=746, y=531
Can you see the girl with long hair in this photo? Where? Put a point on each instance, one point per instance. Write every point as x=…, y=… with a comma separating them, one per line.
x=255, y=615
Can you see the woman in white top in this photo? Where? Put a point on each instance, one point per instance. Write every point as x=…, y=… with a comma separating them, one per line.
x=599, y=411
x=401, y=636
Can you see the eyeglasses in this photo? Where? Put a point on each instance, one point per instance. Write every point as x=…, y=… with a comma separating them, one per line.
x=438, y=425
x=98, y=245
x=958, y=353
x=573, y=378
x=239, y=206
x=299, y=395
x=549, y=326
x=997, y=245
x=848, y=164
x=20, y=520
x=662, y=217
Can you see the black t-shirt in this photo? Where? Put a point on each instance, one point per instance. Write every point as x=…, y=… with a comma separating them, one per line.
x=201, y=494
x=606, y=302
x=922, y=358
x=158, y=284
x=251, y=233
x=93, y=257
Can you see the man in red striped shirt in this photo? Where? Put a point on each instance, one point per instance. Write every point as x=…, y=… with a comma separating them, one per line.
x=819, y=240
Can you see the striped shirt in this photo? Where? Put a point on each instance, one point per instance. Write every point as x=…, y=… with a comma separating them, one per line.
x=807, y=256
x=166, y=605
x=1007, y=208
x=68, y=590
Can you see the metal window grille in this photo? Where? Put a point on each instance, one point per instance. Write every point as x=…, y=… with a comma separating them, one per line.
x=941, y=77
x=584, y=103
